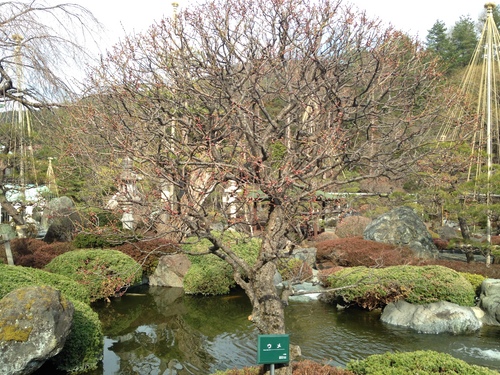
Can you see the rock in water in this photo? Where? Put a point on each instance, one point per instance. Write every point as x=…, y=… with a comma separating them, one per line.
x=435, y=318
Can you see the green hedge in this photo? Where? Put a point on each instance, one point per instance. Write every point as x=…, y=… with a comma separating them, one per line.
x=84, y=345
x=422, y=362
x=373, y=288
x=103, y=272
x=210, y=275
x=475, y=280
x=14, y=277
x=83, y=349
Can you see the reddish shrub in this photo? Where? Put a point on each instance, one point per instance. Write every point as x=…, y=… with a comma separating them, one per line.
x=440, y=243
x=147, y=253
x=495, y=240
x=308, y=367
x=350, y=252
x=352, y=226
x=493, y=271
x=31, y=252
x=324, y=236
x=355, y=251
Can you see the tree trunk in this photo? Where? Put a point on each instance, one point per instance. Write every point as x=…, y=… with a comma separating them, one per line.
x=8, y=252
x=268, y=312
x=464, y=228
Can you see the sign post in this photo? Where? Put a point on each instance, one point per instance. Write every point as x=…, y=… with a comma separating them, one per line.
x=273, y=349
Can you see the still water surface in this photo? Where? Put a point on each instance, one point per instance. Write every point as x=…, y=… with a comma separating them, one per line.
x=158, y=330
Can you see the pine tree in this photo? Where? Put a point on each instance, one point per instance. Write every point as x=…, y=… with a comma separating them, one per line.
x=437, y=39
x=463, y=39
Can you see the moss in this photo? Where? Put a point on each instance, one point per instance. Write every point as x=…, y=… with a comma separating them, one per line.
x=84, y=347
x=14, y=277
x=15, y=323
x=12, y=331
x=210, y=275
x=422, y=362
x=373, y=288
x=103, y=272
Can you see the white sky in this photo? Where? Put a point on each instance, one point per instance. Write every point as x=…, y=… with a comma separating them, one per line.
x=415, y=17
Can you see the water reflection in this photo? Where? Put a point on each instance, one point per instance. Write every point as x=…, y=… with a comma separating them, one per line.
x=161, y=331
x=166, y=332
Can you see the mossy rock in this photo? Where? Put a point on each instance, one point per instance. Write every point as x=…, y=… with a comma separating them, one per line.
x=422, y=362
x=83, y=348
x=103, y=272
x=372, y=288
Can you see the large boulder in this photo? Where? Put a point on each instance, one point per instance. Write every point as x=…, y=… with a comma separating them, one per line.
x=60, y=218
x=402, y=227
x=435, y=318
x=490, y=301
x=34, y=324
x=170, y=271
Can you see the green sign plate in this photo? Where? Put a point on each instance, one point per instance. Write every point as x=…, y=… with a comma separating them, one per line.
x=273, y=349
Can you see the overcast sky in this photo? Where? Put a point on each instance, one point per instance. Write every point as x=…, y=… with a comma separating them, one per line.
x=415, y=17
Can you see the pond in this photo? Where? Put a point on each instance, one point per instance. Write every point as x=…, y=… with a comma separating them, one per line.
x=156, y=329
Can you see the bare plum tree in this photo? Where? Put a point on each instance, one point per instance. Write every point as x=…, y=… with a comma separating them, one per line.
x=267, y=104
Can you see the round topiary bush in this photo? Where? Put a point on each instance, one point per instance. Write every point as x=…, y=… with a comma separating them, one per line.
x=372, y=288
x=422, y=362
x=105, y=273
x=210, y=275
x=14, y=277
x=83, y=349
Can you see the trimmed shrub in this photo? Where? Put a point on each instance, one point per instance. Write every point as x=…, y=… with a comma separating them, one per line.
x=105, y=273
x=475, y=280
x=371, y=288
x=422, y=362
x=90, y=241
x=210, y=275
x=82, y=351
x=14, y=277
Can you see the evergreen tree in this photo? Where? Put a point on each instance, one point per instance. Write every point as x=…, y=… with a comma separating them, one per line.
x=437, y=40
x=463, y=40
